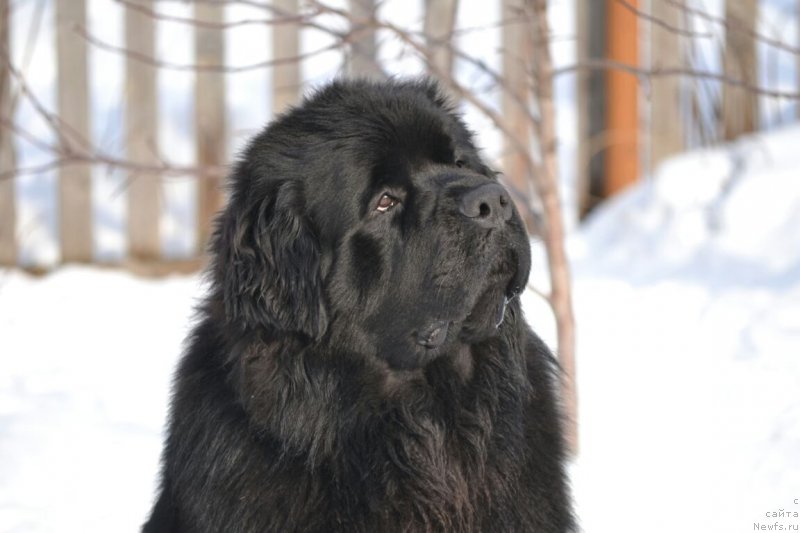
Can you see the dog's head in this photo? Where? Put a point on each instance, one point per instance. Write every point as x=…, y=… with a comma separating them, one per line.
x=367, y=213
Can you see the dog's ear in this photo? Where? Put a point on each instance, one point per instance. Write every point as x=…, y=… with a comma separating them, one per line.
x=269, y=262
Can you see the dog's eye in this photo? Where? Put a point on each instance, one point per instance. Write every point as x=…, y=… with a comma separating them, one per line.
x=386, y=202
x=460, y=163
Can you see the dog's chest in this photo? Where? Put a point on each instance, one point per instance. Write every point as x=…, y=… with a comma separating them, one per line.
x=418, y=478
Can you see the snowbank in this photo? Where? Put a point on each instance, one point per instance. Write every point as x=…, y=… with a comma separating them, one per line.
x=688, y=307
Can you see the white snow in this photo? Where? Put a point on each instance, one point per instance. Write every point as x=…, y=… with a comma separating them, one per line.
x=688, y=305
x=86, y=360
x=687, y=295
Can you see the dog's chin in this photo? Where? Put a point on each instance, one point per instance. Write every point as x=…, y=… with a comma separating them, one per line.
x=438, y=337
x=424, y=345
x=486, y=317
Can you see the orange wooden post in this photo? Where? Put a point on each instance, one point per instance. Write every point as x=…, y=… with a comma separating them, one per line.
x=622, y=104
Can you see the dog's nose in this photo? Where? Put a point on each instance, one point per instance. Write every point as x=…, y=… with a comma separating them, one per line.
x=489, y=205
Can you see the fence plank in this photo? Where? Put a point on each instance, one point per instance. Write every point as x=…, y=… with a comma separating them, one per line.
x=666, y=124
x=362, y=60
x=209, y=115
x=285, y=45
x=440, y=19
x=141, y=135
x=740, y=105
x=514, y=102
x=75, y=197
x=8, y=216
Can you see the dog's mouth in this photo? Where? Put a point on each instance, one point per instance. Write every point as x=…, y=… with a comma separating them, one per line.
x=489, y=309
x=487, y=316
x=501, y=312
x=484, y=319
x=434, y=335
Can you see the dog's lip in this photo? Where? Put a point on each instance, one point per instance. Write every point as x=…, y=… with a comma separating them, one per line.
x=501, y=312
x=433, y=335
x=512, y=291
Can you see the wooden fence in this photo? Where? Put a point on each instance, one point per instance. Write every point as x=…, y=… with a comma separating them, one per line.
x=630, y=111
x=71, y=120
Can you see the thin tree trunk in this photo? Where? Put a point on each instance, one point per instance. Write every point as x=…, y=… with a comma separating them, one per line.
x=666, y=124
x=285, y=44
x=142, y=141
x=8, y=215
x=546, y=179
x=440, y=20
x=515, y=102
x=210, y=122
x=75, y=186
x=583, y=27
x=740, y=105
x=362, y=60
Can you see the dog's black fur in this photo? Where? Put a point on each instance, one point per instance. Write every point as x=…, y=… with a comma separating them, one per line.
x=347, y=373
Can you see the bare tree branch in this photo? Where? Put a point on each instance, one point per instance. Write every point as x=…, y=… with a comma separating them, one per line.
x=662, y=23
x=196, y=67
x=644, y=74
x=733, y=26
x=282, y=18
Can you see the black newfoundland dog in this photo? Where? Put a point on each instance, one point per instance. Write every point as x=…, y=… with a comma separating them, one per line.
x=361, y=363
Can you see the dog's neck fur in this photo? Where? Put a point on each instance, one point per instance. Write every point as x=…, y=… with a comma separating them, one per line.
x=295, y=393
